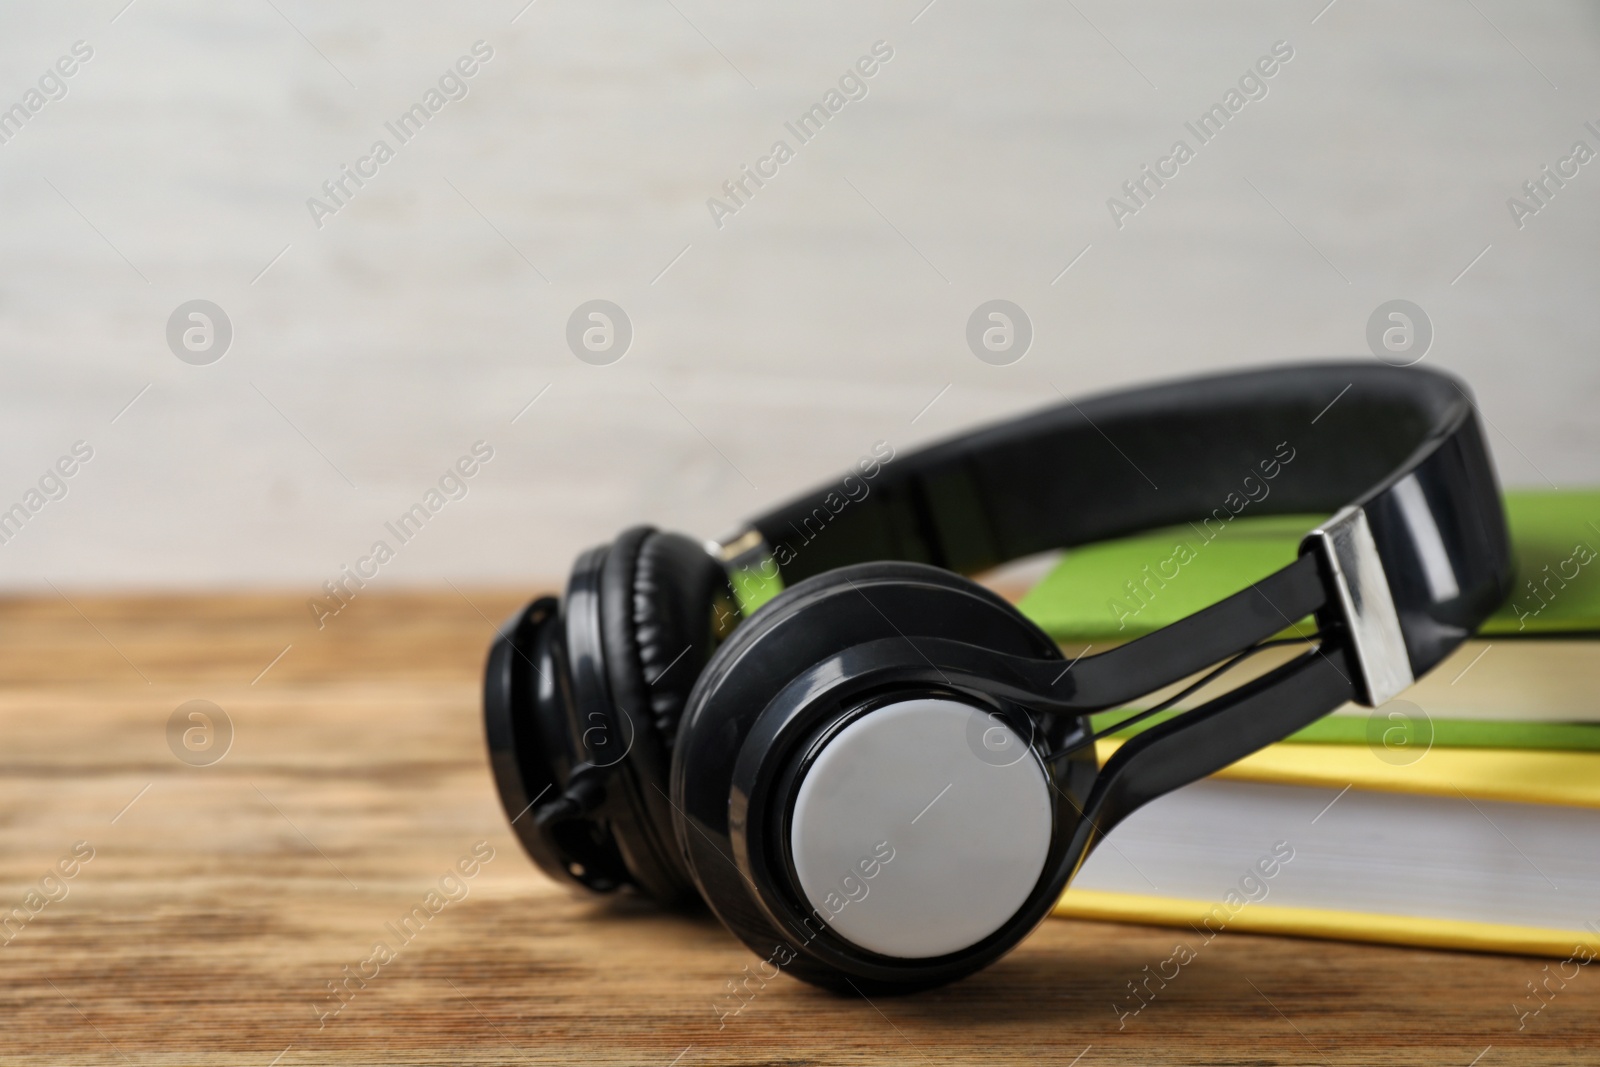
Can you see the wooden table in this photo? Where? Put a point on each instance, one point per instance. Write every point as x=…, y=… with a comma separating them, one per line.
x=222, y=900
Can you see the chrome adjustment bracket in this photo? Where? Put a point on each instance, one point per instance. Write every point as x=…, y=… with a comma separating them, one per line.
x=1346, y=544
x=740, y=551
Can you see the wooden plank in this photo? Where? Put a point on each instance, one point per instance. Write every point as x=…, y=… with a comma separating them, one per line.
x=218, y=907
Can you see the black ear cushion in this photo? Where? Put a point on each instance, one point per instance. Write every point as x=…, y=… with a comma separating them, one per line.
x=659, y=598
x=675, y=592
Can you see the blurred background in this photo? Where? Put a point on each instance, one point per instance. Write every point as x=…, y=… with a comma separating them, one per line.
x=360, y=340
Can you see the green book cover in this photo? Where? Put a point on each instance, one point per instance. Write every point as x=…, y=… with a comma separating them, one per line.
x=1374, y=730
x=1119, y=590
x=1115, y=591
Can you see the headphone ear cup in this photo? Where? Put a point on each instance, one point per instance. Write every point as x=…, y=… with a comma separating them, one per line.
x=723, y=796
x=660, y=599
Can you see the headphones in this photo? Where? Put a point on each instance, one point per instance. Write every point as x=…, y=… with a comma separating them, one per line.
x=883, y=777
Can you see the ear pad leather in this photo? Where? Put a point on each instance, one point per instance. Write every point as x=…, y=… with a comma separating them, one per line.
x=660, y=597
x=660, y=641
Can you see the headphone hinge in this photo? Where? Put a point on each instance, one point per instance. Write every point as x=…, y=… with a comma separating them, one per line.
x=1365, y=603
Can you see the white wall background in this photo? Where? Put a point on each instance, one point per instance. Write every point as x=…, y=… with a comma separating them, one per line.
x=825, y=315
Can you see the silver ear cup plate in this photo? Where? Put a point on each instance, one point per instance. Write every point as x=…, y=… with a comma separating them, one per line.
x=921, y=828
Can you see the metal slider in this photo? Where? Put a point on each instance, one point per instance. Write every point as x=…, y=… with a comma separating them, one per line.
x=1346, y=544
x=741, y=550
x=752, y=570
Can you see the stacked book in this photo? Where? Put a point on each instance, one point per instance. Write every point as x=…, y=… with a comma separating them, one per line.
x=1463, y=814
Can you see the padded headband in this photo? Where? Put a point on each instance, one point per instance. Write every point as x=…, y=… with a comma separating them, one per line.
x=1397, y=453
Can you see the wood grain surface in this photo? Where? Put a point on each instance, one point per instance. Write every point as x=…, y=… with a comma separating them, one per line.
x=221, y=901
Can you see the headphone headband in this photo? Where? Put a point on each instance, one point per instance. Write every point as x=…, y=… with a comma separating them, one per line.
x=1416, y=557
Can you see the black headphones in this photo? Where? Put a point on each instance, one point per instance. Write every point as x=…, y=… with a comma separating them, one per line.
x=884, y=776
